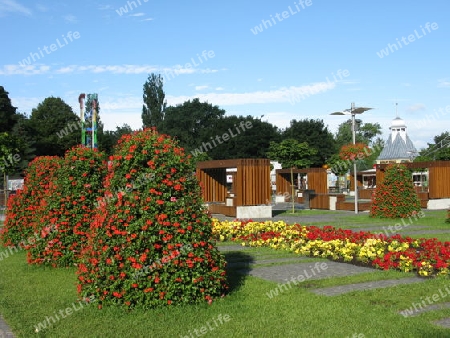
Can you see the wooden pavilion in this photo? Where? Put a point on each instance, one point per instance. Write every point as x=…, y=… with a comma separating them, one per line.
x=250, y=194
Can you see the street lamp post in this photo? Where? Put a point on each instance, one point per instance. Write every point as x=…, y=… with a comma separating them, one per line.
x=353, y=111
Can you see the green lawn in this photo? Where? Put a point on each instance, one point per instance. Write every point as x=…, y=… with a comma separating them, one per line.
x=30, y=294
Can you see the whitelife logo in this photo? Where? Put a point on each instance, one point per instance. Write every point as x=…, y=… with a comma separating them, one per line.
x=411, y=38
x=50, y=49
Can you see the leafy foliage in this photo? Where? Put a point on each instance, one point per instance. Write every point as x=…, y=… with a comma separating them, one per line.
x=151, y=242
x=292, y=154
x=317, y=135
x=69, y=208
x=8, y=115
x=48, y=122
x=154, y=102
x=440, y=150
x=9, y=149
x=192, y=123
x=365, y=133
x=395, y=196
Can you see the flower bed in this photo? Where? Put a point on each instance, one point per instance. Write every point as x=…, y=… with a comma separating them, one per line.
x=428, y=257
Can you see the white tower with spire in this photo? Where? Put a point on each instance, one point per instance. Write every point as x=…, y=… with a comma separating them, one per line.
x=398, y=147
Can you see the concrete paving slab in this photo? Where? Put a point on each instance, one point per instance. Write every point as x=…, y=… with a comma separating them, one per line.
x=341, y=289
x=319, y=270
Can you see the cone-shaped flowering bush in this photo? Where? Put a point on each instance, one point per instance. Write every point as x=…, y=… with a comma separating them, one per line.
x=151, y=242
x=70, y=208
x=27, y=206
x=354, y=151
x=395, y=197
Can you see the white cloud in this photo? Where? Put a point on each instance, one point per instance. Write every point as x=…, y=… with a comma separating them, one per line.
x=70, y=18
x=41, y=8
x=280, y=119
x=443, y=83
x=201, y=87
x=169, y=72
x=416, y=107
x=281, y=95
x=24, y=70
x=104, y=7
x=220, y=88
x=137, y=14
x=12, y=6
x=25, y=104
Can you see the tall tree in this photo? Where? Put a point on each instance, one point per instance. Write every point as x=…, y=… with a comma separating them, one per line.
x=25, y=143
x=8, y=116
x=292, y=154
x=154, y=102
x=192, y=122
x=202, y=128
x=55, y=127
x=439, y=150
x=365, y=133
x=317, y=135
x=250, y=137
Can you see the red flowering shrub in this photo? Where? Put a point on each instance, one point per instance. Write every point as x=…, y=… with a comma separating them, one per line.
x=151, y=242
x=395, y=196
x=27, y=206
x=354, y=151
x=69, y=209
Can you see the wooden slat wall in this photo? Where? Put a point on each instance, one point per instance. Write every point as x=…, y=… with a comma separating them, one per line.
x=358, y=181
x=283, y=183
x=366, y=193
x=253, y=185
x=317, y=181
x=222, y=209
x=380, y=176
x=350, y=206
x=214, y=184
x=439, y=186
x=321, y=201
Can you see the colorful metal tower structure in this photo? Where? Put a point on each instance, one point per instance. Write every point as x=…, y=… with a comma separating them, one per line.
x=88, y=117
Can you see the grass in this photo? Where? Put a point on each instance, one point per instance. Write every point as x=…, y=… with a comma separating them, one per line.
x=30, y=294
x=306, y=212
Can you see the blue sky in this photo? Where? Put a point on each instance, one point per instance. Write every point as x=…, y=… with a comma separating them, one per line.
x=281, y=59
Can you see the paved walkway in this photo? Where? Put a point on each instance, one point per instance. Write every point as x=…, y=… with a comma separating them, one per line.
x=341, y=289
x=5, y=331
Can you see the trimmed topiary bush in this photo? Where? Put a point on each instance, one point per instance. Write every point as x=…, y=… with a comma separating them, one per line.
x=395, y=196
x=27, y=206
x=69, y=209
x=151, y=241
